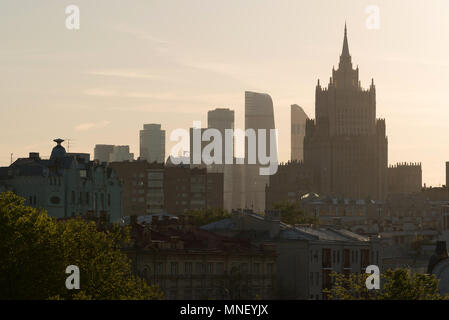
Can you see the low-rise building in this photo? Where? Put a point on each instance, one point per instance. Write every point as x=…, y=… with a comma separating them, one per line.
x=306, y=255
x=66, y=185
x=189, y=263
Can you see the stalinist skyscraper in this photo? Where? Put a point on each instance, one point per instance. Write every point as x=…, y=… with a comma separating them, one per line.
x=346, y=146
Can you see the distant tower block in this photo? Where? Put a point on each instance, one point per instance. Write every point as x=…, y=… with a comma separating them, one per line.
x=447, y=174
x=298, y=119
x=152, y=143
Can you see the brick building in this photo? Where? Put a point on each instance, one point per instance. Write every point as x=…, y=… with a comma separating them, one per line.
x=150, y=188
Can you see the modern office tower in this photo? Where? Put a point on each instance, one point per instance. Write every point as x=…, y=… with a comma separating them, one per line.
x=121, y=153
x=222, y=119
x=259, y=114
x=196, y=146
x=298, y=119
x=152, y=143
x=346, y=145
x=102, y=152
x=447, y=174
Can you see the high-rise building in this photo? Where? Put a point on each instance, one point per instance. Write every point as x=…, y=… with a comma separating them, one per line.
x=298, y=131
x=346, y=145
x=152, y=143
x=222, y=119
x=404, y=178
x=259, y=114
x=102, y=152
x=120, y=153
x=447, y=174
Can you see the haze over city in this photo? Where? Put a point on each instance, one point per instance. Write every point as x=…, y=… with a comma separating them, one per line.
x=170, y=62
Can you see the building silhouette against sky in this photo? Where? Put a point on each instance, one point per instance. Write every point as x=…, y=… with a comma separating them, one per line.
x=298, y=119
x=346, y=145
x=152, y=143
x=259, y=114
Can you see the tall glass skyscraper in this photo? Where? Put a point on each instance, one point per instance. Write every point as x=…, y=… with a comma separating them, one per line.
x=259, y=114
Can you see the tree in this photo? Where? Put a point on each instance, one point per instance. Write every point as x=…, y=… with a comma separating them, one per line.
x=291, y=214
x=35, y=250
x=398, y=284
x=203, y=217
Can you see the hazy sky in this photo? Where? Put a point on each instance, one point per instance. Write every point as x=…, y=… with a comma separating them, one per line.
x=170, y=61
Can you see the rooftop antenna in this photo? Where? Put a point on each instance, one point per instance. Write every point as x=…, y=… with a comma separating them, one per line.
x=11, y=158
x=68, y=143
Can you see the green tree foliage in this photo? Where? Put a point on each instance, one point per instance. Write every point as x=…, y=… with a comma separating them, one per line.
x=291, y=214
x=35, y=250
x=203, y=217
x=398, y=284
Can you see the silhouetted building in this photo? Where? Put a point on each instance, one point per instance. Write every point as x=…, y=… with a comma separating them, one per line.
x=404, y=178
x=102, y=152
x=447, y=174
x=152, y=143
x=222, y=120
x=259, y=114
x=290, y=182
x=196, y=146
x=345, y=145
x=121, y=153
x=298, y=119
x=66, y=185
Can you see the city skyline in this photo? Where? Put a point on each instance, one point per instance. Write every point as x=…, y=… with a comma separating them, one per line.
x=105, y=99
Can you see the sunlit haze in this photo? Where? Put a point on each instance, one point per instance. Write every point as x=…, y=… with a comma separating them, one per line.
x=169, y=62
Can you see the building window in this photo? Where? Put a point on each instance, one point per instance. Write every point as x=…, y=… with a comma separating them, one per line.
x=219, y=268
x=269, y=268
x=311, y=278
x=188, y=268
x=174, y=268
x=109, y=200
x=256, y=268
x=199, y=268
x=159, y=269
x=209, y=268
x=73, y=197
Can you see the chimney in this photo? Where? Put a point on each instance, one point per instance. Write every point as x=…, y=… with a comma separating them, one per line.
x=154, y=220
x=34, y=155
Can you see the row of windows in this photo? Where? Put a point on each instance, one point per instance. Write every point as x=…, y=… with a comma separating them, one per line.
x=204, y=268
x=337, y=256
x=85, y=199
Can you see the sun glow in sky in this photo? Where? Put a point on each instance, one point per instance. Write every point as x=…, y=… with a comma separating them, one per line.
x=169, y=62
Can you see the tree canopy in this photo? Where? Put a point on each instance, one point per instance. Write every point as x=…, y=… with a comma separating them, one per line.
x=203, y=217
x=291, y=214
x=398, y=284
x=35, y=250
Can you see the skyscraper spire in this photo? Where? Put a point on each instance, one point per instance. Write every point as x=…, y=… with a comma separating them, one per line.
x=345, y=51
x=345, y=58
